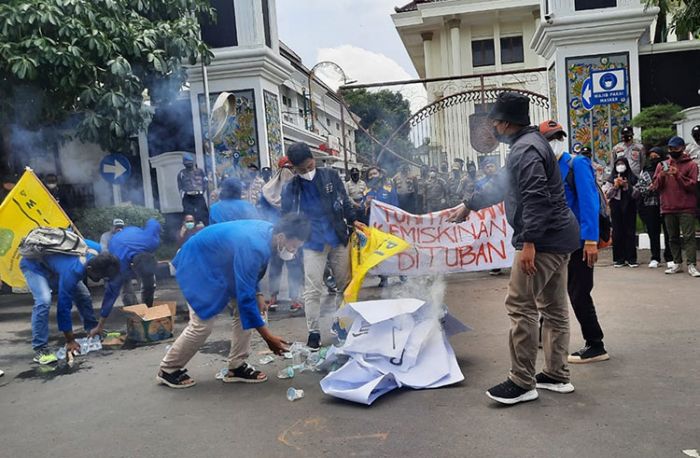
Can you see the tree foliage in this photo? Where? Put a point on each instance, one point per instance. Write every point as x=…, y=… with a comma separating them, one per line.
x=381, y=113
x=656, y=123
x=684, y=18
x=86, y=65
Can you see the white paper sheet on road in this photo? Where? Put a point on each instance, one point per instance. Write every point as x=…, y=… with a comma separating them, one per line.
x=392, y=343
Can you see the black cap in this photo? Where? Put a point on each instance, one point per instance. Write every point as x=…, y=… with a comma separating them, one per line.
x=627, y=131
x=512, y=107
x=695, y=131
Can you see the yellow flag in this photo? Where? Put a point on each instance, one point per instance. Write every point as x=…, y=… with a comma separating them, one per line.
x=27, y=206
x=368, y=247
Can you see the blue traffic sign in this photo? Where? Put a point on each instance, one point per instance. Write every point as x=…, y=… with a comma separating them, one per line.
x=587, y=94
x=115, y=169
x=609, y=86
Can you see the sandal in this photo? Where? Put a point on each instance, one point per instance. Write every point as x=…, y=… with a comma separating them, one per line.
x=244, y=373
x=177, y=379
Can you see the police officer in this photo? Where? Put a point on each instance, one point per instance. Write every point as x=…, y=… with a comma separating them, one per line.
x=192, y=183
x=633, y=151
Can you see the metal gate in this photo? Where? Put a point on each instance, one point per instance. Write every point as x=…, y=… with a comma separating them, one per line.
x=456, y=125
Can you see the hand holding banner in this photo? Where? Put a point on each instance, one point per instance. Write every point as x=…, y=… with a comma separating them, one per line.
x=482, y=242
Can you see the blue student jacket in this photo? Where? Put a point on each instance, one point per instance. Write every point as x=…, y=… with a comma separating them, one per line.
x=222, y=262
x=126, y=244
x=585, y=203
x=63, y=272
x=232, y=210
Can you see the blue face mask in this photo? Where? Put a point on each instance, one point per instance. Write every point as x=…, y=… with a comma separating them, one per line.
x=189, y=225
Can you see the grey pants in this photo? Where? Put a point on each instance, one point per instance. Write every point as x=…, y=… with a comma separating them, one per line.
x=546, y=293
x=314, y=265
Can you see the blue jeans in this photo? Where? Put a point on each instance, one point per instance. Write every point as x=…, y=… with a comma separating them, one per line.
x=41, y=291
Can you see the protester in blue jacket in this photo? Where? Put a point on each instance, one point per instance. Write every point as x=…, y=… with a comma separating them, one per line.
x=230, y=206
x=64, y=274
x=135, y=248
x=224, y=262
x=582, y=196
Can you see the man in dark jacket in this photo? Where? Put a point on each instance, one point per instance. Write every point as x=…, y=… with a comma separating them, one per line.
x=320, y=195
x=545, y=232
x=675, y=180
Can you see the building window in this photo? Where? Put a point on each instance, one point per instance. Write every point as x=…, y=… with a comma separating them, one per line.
x=222, y=33
x=286, y=101
x=483, y=53
x=512, y=50
x=266, y=22
x=328, y=122
x=581, y=5
x=337, y=126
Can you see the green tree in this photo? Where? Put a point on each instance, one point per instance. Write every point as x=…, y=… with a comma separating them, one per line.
x=87, y=66
x=684, y=16
x=656, y=123
x=381, y=114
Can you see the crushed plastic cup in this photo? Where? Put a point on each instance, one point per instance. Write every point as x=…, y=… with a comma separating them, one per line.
x=222, y=373
x=293, y=394
x=287, y=355
x=266, y=359
x=287, y=372
x=61, y=353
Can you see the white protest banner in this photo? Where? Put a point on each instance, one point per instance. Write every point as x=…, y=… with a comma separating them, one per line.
x=482, y=242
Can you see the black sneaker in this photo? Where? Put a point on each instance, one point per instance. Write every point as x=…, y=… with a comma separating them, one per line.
x=589, y=354
x=510, y=393
x=314, y=342
x=548, y=383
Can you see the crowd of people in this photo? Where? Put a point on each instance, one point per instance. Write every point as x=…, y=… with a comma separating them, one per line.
x=300, y=218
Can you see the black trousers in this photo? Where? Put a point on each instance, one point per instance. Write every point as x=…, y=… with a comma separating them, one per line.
x=580, y=285
x=624, y=235
x=407, y=202
x=654, y=222
x=196, y=206
x=143, y=268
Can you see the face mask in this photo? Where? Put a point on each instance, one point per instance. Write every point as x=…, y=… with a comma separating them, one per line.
x=52, y=185
x=189, y=165
x=285, y=254
x=355, y=177
x=675, y=154
x=443, y=169
x=308, y=176
x=374, y=182
x=620, y=168
x=559, y=147
x=432, y=174
x=189, y=224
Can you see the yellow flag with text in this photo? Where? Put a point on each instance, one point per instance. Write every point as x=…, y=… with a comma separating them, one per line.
x=369, y=247
x=27, y=206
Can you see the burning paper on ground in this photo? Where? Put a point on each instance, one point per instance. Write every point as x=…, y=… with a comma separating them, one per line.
x=392, y=343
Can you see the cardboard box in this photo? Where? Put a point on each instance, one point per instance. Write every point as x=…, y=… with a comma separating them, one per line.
x=144, y=324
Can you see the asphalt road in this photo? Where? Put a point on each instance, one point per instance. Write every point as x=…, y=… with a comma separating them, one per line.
x=644, y=402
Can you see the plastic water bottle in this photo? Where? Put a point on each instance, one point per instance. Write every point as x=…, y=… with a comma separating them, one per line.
x=293, y=394
x=287, y=372
x=297, y=351
x=61, y=353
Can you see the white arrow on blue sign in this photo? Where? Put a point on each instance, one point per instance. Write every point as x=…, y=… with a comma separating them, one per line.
x=586, y=94
x=115, y=169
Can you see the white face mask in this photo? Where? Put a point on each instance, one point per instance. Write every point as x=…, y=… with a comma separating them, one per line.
x=285, y=254
x=559, y=148
x=308, y=175
x=621, y=168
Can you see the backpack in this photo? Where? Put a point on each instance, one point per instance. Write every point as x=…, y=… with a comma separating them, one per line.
x=604, y=222
x=52, y=240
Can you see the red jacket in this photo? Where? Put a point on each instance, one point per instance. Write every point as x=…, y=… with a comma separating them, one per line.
x=677, y=192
